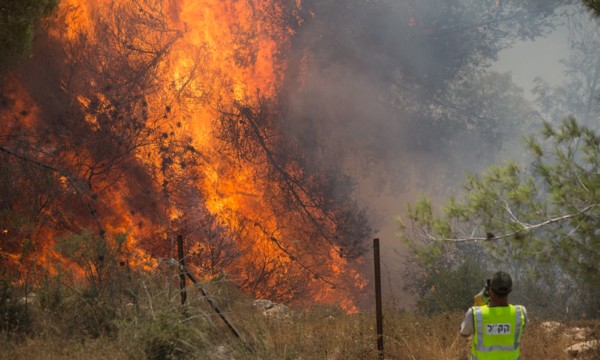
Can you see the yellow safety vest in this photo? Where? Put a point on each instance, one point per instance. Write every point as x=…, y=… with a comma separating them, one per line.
x=498, y=331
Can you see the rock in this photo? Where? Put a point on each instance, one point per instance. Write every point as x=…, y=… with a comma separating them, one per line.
x=278, y=310
x=550, y=326
x=221, y=353
x=263, y=304
x=578, y=334
x=582, y=347
x=272, y=309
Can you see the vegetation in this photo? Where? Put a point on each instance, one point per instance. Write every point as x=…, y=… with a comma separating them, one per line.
x=545, y=213
x=103, y=140
x=444, y=283
x=576, y=95
x=91, y=304
x=18, y=19
x=593, y=5
x=539, y=221
x=410, y=80
x=157, y=327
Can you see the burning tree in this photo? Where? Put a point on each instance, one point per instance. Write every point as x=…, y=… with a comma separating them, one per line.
x=143, y=117
x=301, y=200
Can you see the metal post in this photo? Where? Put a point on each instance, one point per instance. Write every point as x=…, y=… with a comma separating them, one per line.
x=378, y=309
x=182, y=290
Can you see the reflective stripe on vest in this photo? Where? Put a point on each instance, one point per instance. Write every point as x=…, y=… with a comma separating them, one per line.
x=479, y=347
x=473, y=357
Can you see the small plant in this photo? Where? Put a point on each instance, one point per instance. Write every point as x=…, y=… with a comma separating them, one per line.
x=168, y=337
x=50, y=293
x=98, y=257
x=14, y=315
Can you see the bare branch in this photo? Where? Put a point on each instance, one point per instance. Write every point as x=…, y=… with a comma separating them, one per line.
x=526, y=227
x=291, y=182
x=295, y=258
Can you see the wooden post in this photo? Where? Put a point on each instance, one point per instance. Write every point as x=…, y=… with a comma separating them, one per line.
x=378, y=309
x=183, y=272
x=212, y=303
x=182, y=289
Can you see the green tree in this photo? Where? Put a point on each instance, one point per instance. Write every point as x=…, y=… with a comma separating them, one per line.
x=577, y=94
x=445, y=281
x=593, y=5
x=389, y=82
x=548, y=211
x=428, y=41
x=18, y=19
x=484, y=111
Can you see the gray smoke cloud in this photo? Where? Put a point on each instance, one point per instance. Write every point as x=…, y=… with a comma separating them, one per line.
x=401, y=94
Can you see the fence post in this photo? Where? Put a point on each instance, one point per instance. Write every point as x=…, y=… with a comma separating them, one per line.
x=180, y=256
x=215, y=307
x=378, y=309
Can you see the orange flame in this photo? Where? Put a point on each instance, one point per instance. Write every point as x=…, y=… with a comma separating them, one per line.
x=207, y=54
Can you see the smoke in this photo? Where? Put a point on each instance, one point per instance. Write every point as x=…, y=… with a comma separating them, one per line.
x=396, y=95
x=402, y=96
x=367, y=76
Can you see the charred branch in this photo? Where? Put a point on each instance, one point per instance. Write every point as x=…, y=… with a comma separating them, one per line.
x=244, y=133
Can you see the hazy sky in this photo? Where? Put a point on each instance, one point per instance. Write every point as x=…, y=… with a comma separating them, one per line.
x=530, y=59
x=525, y=61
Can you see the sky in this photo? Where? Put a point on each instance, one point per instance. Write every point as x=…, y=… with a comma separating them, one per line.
x=527, y=60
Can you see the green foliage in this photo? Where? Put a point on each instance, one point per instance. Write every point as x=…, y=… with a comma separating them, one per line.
x=450, y=288
x=14, y=314
x=577, y=94
x=93, y=315
x=168, y=337
x=593, y=5
x=99, y=257
x=444, y=276
x=18, y=19
x=550, y=293
x=51, y=293
x=478, y=113
x=547, y=212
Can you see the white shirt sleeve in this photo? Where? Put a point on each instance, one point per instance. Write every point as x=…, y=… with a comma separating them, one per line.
x=466, y=328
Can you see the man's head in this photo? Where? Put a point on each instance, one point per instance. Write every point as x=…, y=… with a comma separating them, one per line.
x=501, y=284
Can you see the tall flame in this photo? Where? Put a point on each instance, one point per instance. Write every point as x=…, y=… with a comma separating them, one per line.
x=188, y=63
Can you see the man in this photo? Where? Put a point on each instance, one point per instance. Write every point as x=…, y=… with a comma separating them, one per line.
x=497, y=328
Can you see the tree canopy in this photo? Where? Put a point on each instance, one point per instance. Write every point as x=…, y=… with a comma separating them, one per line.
x=17, y=23
x=548, y=211
x=393, y=79
x=577, y=94
x=593, y=5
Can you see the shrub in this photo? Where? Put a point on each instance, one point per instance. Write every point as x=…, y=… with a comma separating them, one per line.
x=168, y=337
x=14, y=315
x=50, y=293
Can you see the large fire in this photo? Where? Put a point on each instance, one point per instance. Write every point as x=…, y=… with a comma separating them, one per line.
x=184, y=91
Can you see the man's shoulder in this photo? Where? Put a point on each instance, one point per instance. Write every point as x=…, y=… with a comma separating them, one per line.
x=524, y=310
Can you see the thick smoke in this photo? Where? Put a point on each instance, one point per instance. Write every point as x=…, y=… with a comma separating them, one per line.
x=400, y=94
x=373, y=77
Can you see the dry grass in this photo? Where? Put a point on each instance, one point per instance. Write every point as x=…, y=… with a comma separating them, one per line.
x=156, y=327
x=319, y=335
